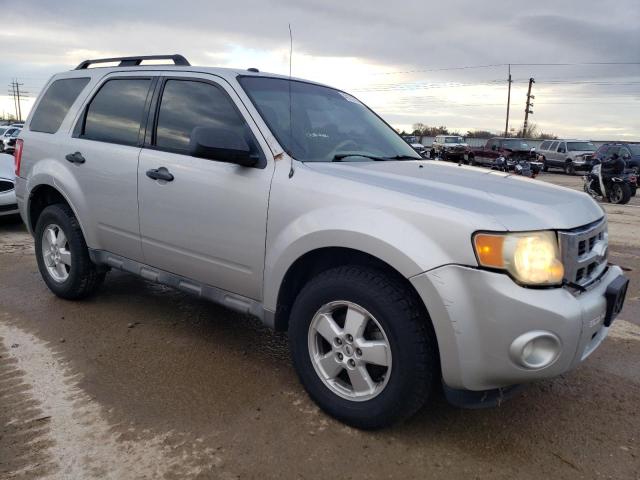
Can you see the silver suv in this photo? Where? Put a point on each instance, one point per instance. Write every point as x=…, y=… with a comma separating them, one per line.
x=569, y=155
x=294, y=202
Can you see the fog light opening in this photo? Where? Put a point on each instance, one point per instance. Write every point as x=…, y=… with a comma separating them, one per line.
x=535, y=350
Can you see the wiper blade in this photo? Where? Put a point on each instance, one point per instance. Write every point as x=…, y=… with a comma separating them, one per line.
x=340, y=156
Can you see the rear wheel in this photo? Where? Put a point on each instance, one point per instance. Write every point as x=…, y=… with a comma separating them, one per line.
x=362, y=347
x=472, y=160
x=62, y=254
x=620, y=193
x=545, y=167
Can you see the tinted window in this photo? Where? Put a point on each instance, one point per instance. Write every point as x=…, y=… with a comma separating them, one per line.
x=581, y=146
x=561, y=147
x=544, y=145
x=187, y=104
x=55, y=104
x=553, y=146
x=115, y=113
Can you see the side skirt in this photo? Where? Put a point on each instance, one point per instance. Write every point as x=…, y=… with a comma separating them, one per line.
x=230, y=300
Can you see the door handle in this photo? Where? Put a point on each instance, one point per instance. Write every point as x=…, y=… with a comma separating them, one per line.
x=160, y=174
x=75, y=157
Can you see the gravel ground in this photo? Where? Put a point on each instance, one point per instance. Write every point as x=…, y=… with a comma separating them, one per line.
x=142, y=381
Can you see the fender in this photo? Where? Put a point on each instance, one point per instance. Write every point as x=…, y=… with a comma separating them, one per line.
x=376, y=232
x=56, y=175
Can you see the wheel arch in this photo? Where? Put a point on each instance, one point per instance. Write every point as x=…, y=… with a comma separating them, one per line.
x=40, y=197
x=321, y=259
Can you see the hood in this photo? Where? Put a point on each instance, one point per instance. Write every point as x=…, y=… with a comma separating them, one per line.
x=7, y=166
x=517, y=203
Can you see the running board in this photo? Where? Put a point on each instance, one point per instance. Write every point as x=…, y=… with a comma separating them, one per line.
x=230, y=300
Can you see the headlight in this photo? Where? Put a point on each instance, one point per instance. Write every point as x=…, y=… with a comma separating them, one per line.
x=532, y=258
x=578, y=160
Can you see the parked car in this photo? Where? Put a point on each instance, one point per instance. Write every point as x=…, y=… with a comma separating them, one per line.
x=391, y=274
x=8, y=205
x=10, y=142
x=18, y=124
x=416, y=145
x=569, y=155
x=5, y=136
x=628, y=151
x=509, y=148
x=448, y=147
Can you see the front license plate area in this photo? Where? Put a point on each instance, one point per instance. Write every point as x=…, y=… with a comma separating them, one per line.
x=615, y=294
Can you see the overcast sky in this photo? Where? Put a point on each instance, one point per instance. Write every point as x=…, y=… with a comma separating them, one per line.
x=401, y=58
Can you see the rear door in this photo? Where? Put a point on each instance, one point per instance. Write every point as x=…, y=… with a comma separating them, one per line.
x=552, y=154
x=103, y=156
x=209, y=222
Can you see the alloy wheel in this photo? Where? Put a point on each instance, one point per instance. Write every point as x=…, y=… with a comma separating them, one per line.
x=349, y=351
x=56, y=253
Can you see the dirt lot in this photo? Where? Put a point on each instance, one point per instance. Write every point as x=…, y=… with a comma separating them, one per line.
x=145, y=382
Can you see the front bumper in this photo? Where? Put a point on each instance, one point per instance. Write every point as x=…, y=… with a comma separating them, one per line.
x=477, y=316
x=8, y=204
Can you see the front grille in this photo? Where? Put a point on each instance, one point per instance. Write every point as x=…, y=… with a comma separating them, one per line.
x=584, y=252
x=6, y=185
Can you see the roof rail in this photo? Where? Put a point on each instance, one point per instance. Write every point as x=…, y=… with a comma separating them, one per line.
x=135, y=61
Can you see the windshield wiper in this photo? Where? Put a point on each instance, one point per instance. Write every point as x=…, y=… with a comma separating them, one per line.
x=340, y=156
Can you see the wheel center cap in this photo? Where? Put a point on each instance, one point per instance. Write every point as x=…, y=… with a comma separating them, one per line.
x=348, y=350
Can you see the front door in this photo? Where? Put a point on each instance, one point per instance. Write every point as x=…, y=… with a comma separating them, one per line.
x=208, y=222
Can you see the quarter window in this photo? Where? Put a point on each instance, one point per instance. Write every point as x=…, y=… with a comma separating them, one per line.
x=187, y=104
x=55, y=104
x=115, y=113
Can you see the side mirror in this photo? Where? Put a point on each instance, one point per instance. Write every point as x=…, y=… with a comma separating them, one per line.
x=222, y=144
x=494, y=147
x=626, y=156
x=561, y=150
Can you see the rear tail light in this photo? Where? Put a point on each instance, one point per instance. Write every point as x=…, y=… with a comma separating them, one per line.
x=18, y=155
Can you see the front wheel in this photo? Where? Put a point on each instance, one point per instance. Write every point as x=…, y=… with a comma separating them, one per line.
x=569, y=168
x=362, y=346
x=545, y=167
x=62, y=254
x=620, y=193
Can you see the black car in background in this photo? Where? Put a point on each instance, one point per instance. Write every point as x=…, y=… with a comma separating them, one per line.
x=628, y=151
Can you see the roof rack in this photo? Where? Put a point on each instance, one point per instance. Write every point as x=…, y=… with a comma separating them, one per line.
x=134, y=61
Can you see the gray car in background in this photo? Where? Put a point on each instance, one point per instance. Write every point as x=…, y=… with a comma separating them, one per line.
x=8, y=205
x=569, y=155
x=293, y=202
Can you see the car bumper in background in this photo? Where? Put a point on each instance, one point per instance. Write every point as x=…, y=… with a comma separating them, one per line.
x=8, y=204
x=493, y=333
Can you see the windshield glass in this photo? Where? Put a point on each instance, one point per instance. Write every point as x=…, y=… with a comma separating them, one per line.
x=326, y=124
x=453, y=140
x=581, y=147
x=634, y=147
x=515, y=145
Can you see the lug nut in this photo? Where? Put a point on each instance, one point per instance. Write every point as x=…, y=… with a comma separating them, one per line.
x=340, y=356
x=358, y=352
x=338, y=341
x=352, y=363
x=349, y=338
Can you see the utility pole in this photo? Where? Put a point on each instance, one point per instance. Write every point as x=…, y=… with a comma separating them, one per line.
x=506, y=126
x=17, y=94
x=527, y=109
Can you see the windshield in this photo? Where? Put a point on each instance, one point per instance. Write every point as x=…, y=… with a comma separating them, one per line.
x=453, y=140
x=581, y=147
x=326, y=124
x=515, y=145
x=634, y=147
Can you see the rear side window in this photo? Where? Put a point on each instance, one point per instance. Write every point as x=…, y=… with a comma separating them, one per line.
x=545, y=145
x=553, y=146
x=115, y=113
x=55, y=104
x=187, y=104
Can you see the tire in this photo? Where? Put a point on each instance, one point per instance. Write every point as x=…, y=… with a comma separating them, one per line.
x=633, y=192
x=413, y=363
x=545, y=167
x=82, y=276
x=432, y=153
x=620, y=193
x=569, y=168
x=472, y=160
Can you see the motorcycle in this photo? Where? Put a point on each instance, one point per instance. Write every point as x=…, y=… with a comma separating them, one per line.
x=617, y=186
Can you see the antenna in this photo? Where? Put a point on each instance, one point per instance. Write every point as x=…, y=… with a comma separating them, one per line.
x=291, y=170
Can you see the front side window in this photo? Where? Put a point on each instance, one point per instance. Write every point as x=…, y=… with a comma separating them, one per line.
x=115, y=113
x=55, y=104
x=314, y=123
x=561, y=148
x=635, y=148
x=453, y=140
x=187, y=104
